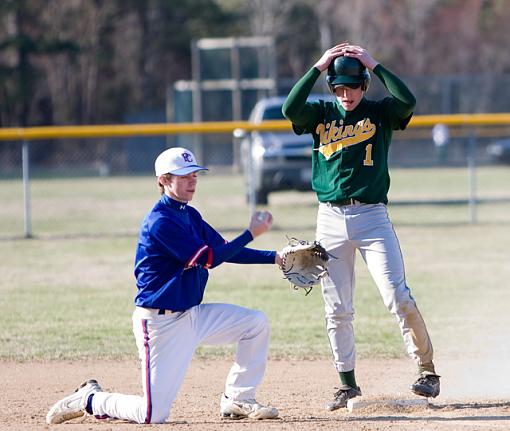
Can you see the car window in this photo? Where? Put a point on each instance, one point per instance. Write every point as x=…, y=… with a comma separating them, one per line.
x=273, y=113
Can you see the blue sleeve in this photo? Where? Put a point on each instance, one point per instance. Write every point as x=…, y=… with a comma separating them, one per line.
x=214, y=250
x=222, y=251
x=250, y=255
x=218, y=254
x=175, y=240
x=193, y=242
x=211, y=236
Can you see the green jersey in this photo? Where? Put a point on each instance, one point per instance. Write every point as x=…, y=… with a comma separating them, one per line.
x=350, y=157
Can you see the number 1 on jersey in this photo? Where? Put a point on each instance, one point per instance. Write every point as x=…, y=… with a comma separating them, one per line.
x=368, y=156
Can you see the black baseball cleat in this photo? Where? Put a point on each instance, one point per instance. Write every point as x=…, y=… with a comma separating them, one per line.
x=341, y=397
x=427, y=385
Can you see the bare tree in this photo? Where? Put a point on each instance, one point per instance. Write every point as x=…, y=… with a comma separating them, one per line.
x=88, y=61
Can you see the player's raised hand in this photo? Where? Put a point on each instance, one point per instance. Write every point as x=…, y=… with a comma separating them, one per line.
x=329, y=55
x=361, y=54
x=260, y=222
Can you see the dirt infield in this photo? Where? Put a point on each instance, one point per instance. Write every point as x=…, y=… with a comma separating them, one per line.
x=298, y=388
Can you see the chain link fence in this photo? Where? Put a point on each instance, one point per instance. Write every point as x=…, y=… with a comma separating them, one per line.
x=95, y=186
x=104, y=186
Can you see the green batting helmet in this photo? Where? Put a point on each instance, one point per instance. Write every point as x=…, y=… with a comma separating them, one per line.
x=348, y=71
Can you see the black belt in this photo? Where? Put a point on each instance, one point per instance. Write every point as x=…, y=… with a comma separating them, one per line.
x=163, y=311
x=343, y=202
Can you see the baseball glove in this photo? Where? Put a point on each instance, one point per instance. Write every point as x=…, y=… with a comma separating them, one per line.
x=304, y=263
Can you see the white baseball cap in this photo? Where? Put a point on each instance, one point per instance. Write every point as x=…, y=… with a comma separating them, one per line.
x=177, y=161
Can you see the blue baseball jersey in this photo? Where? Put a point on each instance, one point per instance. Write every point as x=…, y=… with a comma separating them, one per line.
x=176, y=247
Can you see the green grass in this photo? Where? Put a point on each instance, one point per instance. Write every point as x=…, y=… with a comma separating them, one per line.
x=68, y=292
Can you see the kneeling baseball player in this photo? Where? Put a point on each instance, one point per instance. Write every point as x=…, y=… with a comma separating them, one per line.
x=176, y=247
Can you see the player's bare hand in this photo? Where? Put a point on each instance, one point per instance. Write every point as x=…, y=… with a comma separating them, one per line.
x=329, y=55
x=260, y=222
x=361, y=54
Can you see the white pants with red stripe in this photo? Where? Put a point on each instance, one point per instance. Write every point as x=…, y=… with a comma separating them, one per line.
x=166, y=344
x=366, y=227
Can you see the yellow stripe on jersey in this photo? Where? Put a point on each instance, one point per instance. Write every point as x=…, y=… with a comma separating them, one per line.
x=333, y=139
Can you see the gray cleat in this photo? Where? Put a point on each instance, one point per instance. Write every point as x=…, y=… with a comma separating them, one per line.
x=231, y=409
x=427, y=385
x=341, y=397
x=72, y=406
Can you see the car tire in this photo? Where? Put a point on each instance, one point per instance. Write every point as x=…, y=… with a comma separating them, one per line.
x=262, y=197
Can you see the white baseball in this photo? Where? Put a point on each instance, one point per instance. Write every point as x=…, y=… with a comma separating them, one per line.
x=262, y=216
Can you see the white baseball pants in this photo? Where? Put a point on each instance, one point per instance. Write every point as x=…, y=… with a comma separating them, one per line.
x=166, y=344
x=366, y=227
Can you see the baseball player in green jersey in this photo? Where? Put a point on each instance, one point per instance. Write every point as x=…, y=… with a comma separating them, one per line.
x=350, y=175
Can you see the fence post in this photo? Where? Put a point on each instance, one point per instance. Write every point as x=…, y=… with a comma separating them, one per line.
x=25, y=161
x=252, y=200
x=472, y=176
x=240, y=137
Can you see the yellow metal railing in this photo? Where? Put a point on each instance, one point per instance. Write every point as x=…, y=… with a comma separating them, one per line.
x=59, y=132
x=48, y=132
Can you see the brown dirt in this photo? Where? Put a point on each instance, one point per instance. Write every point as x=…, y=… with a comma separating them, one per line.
x=298, y=388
